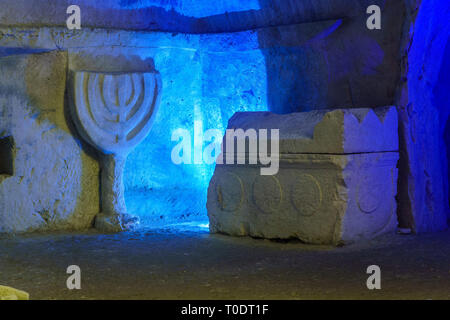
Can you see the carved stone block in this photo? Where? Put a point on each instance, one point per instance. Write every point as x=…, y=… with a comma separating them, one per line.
x=114, y=112
x=327, y=197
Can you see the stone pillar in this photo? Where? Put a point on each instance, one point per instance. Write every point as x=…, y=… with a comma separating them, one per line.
x=113, y=206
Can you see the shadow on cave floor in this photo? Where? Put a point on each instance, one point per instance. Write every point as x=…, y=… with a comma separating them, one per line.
x=182, y=263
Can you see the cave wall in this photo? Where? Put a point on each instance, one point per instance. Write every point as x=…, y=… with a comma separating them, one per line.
x=54, y=184
x=208, y=77
x=334, y=63
x=181, y=16
x=215, y=60
x=192, y=91
x=424, y=111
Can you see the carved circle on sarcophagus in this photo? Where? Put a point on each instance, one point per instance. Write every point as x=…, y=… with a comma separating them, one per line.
x=306, y=194
x=229, y=192
x=375, y=199
x=267, y=193
x=369, y=197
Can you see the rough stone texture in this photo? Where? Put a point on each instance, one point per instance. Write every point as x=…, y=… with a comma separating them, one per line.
x=187, y=16
x=274, y=69
x=339, y=131
x=7, y=293
x=333, y=64
x=114, y=113
x=306, y=45
x=189, y=264
x=352, y=66
x=329, y=194
x=289, y=56
x=193, y=91
x=424, y=118
x=55, y=181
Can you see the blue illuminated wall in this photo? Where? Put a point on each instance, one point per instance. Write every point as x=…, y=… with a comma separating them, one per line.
x=188, y=16
x=424, y=111
x=206, y=85
x=441, y=95
x=330, y=60
x=191, y=8
x=219, y=57
x=283, y=69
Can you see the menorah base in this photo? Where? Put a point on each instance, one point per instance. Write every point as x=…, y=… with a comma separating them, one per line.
x=116, y=222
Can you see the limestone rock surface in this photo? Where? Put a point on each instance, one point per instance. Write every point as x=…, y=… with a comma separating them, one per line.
x=54, y=185
x=424, y=114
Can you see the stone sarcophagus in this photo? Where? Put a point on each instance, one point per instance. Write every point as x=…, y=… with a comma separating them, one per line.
x=336, y=183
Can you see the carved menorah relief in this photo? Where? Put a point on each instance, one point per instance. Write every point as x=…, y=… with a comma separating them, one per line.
x=114, y=112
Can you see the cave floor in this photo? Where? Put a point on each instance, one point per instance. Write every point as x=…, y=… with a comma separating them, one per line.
x=189, y=263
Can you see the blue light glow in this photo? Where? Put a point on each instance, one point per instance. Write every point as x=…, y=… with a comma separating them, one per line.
x=429, y=108
x=207, y=87
x=190, y=8
x=201, y=91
